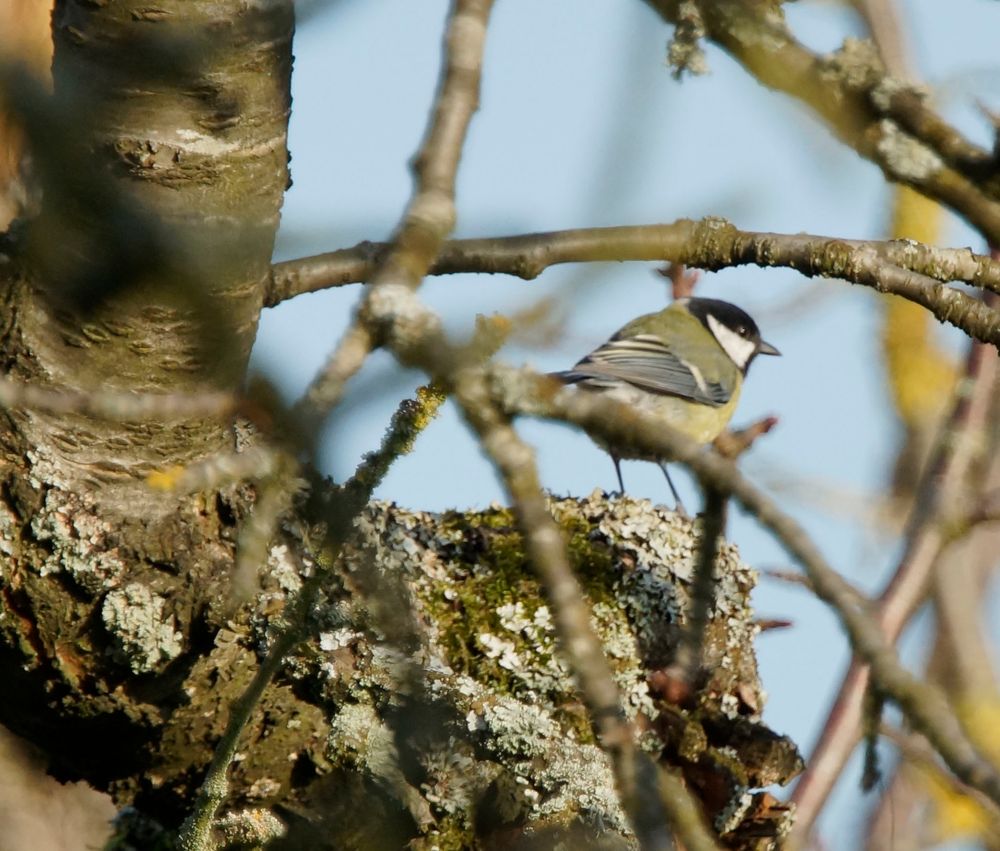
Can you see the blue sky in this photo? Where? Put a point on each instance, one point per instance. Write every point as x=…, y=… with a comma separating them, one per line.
x=582, y=124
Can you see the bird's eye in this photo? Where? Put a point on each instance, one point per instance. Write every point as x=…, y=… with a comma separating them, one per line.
x=742, y=330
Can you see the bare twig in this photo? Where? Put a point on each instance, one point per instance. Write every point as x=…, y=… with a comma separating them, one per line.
x=274, y=499
x=908, y=585
x=215, y=471
x=713, y=520
x=908, y=269
x=196, y=832
x=634, y=771
x=430, y=215
x=789, y=577
x=734, y=443
x=770, y=624
x=882, y=18
x=986, y=510
x=730, y=444
x=682, y=280
x=924, y=706
x=686, y=817
x=116, y=405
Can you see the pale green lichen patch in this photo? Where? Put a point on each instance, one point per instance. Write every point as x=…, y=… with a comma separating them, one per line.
x=249, y=828
x=903, y=155
x=9, y=534
x=889, y=87
x=856, y=65
x=359, y=736
x=77, y=538
x=554, y=777
x=145, y=636
x=684, y=52
x=558, y=778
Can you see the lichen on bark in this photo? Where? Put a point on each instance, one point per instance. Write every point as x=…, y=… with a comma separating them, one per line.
x=503, y=738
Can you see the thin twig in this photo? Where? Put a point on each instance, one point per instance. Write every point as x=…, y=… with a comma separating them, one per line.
x=686, y=817
x=430, y=214
x=908, y=269
x=908, y=585
x=883, y=21
x=691, y=651
x=116, y=405
x=924, y=706
x=196, y=832
x=634, y=771
x=223, y=468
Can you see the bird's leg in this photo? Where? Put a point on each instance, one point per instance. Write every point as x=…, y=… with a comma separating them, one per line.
x=679, y=506
x=618, y=471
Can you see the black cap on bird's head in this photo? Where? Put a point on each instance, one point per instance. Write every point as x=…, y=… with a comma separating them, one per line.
x=733, y=328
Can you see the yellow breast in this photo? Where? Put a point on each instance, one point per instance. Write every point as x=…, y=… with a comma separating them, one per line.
x=701, y=423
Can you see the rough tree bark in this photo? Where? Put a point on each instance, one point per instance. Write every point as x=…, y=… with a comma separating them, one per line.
x=162, y=160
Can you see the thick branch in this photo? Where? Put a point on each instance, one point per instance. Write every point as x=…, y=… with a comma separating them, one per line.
x=881, y=117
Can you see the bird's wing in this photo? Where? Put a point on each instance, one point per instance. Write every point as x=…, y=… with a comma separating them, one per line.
x=647, y=362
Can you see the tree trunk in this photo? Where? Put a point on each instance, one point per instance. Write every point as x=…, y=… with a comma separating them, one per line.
x=162, y=160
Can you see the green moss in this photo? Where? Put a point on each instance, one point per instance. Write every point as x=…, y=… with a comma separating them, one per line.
x=449, y=834
x=592, y=559
x=473, y=609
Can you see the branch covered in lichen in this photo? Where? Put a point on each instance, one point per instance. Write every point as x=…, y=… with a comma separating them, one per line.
x=712, y=526
x=883, y=118
x=411, y=417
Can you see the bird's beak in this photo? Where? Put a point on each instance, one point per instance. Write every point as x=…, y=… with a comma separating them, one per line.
x=766, y=348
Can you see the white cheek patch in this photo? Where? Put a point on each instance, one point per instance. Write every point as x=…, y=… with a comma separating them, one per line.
x=738, y=348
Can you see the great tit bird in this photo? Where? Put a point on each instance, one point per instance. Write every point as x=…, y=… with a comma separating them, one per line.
x=685, y=364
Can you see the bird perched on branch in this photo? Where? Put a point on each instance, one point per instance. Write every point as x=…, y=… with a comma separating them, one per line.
x=684, y=364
